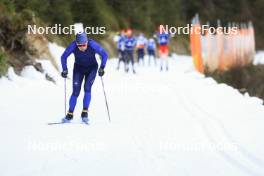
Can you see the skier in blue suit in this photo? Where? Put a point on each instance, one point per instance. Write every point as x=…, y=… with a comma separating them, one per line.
x=141, y=45
x=120, y=49
x=163, y=41
x=85, y=68
x=130, y=43
x=151, y=47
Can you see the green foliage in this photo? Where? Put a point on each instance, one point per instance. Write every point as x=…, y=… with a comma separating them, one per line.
x=143, y=15
x=3, y=64
x=50, y=11
x=6, y=6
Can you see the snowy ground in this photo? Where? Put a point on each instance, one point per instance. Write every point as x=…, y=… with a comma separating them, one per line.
x=163, y=123
x=259, y=58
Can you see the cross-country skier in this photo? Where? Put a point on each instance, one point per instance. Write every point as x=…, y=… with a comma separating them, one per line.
x=151, y=47
x=163, y=41
x=120, y=48
x=141, y=44
x=85, y=68
x=130, y=43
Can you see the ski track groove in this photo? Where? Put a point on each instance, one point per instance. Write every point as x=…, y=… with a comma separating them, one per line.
x=240, y=148
x=183, y=99
x=143, y=147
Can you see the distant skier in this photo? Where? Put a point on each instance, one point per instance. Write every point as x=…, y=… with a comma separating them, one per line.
x=130, y=43
x=151, y=47
x=141, y=44
x=163, y=41
x=120, y=40
x=85, y=68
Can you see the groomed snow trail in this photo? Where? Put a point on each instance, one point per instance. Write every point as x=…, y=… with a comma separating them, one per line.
x=163, y=123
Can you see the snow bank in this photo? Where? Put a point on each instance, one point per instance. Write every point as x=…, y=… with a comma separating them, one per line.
x=50, y=70
x=11, y=74
x=259, y=58
x=31, y=72
x=56, y=52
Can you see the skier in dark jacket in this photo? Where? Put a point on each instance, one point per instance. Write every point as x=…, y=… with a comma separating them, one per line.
x=85, y=68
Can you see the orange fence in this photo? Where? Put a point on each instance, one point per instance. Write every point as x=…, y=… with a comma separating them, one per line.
x=222, y=50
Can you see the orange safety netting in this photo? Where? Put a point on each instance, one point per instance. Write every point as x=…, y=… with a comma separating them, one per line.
x=220, y=51
x=196, y=48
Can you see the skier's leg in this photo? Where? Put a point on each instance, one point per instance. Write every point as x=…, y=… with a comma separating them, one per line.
x=138, y=56
x=119, y=59
x=132, y=60
x=154, y=57
x=118, y=64
x=167, y=58
x=161, y=63
x=126, y=60
x=149, y=57
x=129, y=58
x=167, y=63
x=149, y=60
x=142, y=56
x=77, y=82
x=76, y=87
x=123, y=58
x=89, y=80
x=160, y=57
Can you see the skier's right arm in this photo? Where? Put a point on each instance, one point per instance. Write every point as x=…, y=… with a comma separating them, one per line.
x=66, y=54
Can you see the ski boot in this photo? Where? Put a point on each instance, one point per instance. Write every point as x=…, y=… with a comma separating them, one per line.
x=67, y=118
x=84, y=116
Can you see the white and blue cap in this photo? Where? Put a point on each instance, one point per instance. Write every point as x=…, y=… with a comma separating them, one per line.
x=81, y=38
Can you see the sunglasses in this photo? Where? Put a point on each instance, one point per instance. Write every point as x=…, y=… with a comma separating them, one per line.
x=81, y=45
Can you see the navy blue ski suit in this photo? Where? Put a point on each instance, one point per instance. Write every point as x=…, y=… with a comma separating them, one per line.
x=85, y=67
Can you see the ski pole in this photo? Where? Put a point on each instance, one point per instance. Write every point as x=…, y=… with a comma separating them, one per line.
x=65, y=96
x=106, y=100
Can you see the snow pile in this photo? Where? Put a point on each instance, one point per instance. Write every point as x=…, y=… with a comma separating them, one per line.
x=11, y=74
x=31, y=72
x=56, y=52
x=50, y=70
x=259, y=58
x=163, y=123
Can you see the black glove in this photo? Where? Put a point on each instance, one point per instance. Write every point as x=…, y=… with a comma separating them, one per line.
x=64, y=73
x=101, y=71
